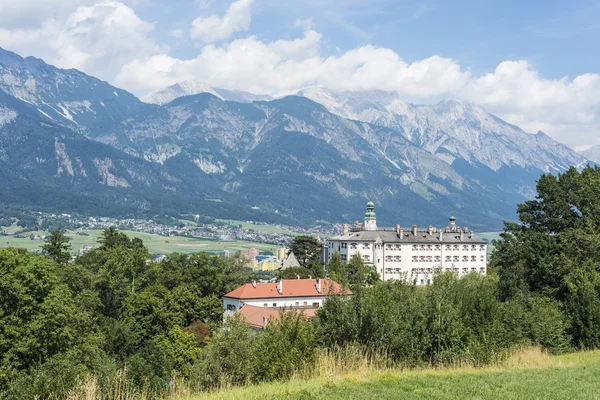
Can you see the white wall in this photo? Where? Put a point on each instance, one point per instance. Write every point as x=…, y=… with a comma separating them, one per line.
x=278, y=301
x=426, y=262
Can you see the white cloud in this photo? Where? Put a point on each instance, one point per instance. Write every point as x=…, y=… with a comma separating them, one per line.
x=27, y=14
x=567, y=109
x=97, y=39
x=212, y=28
x=177, y=33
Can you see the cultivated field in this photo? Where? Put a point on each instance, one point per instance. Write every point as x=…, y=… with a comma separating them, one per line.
x=155, y=243
x=528, y=375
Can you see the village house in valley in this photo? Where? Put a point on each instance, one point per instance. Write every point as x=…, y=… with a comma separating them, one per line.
x=261, y=302
x=411, y=254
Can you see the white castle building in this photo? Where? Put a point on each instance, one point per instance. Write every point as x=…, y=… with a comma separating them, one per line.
x=410, y=254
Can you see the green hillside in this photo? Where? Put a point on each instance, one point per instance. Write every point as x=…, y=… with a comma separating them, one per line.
x=533, y=377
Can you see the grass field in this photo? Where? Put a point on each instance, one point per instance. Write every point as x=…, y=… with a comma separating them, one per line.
x=256, y=227
x=155, y=243
x=532, y=375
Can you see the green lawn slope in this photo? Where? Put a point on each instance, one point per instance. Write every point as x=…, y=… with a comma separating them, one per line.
x=527, y=376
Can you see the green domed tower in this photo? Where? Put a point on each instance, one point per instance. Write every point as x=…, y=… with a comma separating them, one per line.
x=370, y=220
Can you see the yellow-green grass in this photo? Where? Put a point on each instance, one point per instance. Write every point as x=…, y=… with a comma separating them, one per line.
x=529, y=375
x=257, y=228
x=156, y=244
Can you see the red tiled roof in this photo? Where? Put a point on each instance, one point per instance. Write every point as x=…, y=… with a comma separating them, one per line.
x=291, y=288
x=254, y=315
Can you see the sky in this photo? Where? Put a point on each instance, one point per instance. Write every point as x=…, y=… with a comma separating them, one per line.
x=535, y=64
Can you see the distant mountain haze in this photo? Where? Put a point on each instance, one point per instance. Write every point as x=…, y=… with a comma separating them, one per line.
x=322, y=154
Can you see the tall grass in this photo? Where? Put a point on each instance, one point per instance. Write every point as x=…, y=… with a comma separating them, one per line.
x=330, y=365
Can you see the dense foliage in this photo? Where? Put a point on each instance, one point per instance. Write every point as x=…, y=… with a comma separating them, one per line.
x=111, y=308
x=554, y=252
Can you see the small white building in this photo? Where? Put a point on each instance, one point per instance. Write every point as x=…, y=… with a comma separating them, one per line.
x=415, y=255
x=290, y=294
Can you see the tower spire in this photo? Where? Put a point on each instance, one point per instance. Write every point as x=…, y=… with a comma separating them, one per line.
x=370, y=219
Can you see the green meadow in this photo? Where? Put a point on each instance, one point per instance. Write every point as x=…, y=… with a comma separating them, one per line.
x=156, y=244
x=530, y=375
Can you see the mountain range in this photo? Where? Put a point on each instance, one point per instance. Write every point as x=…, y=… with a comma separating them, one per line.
x=70, y=142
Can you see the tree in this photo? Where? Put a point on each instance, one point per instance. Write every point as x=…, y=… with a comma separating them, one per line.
x=337, y=269
x=360, y=273
x=307, y=249
x=316, y=269
x=57, y=247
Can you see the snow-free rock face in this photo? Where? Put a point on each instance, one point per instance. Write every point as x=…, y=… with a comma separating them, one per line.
x=452, y=130
x=191, y=87
x=592, y=154
x=65, y=96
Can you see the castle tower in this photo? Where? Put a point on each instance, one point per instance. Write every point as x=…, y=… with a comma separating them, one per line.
x=370, y=220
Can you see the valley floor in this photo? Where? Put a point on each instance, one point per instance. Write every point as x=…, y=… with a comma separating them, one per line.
x=528, y=376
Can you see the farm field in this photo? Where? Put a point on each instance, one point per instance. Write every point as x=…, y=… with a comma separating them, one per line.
x=567, y=376
x=156, y=244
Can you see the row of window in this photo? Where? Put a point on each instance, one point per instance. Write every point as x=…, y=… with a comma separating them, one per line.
x=448, y=258
x=305, y=304
x=416, y=247
x=431, y=270
x=393, y=258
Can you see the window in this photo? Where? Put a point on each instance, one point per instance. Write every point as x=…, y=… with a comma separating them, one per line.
x=297, y=304
x=231, y=307
x=415, y=247
x=438, y=258
x=465, y=247
x=265, y=305
x=315, y=305
x=366, y=246
x=482, y=258
x=482, y=247
x=305, y=303
x=274, y=304
x=465, y=259
x=448, y=247
x=456, y=258
x=455, y=247
x=353, y=245
x=473, y=258
x=448, y=258
x=423, y=247
x=429, y=247
x=438, y=247
x=367, y=258
x=474, y=247
x=344, y=257
x=415, y=259
x=388, y=247
x=398, y=247
x=398, y=259
x=388, y=258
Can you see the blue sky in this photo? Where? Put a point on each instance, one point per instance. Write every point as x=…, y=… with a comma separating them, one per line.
x=560, y=38
x=533, y=63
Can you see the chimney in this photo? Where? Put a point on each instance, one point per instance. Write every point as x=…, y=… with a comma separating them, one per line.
x=414, y=230
x=401, y=233
x=345, y=229
x=397, y=228
x=318, y=285
x=441, y=236
x=430, y=230
x=462, y=236
x=280, y=286
x=254, y=284
x=470, y=234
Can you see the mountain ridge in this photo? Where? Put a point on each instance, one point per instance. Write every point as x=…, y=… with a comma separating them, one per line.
x=290, y=159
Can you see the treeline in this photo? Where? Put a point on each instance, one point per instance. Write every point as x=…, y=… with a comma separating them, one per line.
x=113, y=313
x=111, y=310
